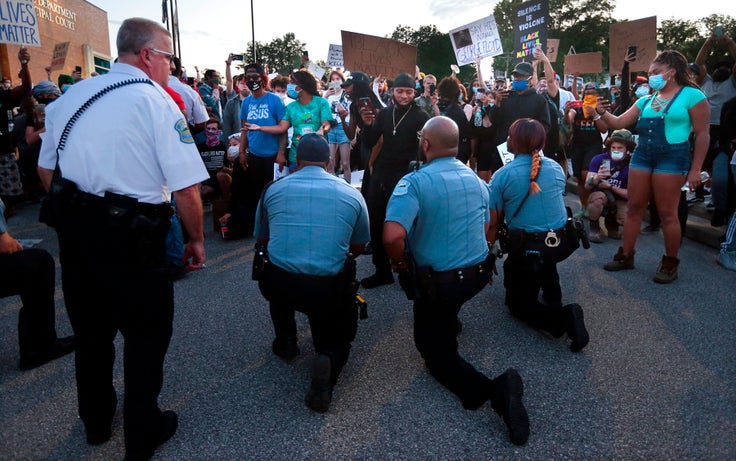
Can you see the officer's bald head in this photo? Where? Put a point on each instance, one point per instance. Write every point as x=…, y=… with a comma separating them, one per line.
x=442, y=137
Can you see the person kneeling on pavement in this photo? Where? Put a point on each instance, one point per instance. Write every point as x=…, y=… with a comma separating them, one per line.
x=527, y=193
x=310, y=226
x=608, y=178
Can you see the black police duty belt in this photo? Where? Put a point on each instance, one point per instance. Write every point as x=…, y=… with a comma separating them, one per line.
x=426, y=273
x=85, y=199
x=551, y=238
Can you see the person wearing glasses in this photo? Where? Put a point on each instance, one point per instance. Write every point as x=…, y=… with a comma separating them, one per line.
x=128, y=147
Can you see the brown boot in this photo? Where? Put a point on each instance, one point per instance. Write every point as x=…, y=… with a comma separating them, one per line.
x=667, y=272
x=595, y=235
x=620, y=261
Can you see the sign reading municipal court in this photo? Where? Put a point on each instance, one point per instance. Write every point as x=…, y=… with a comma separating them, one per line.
x=479, y=39
x=18, y=24
x=377, y=55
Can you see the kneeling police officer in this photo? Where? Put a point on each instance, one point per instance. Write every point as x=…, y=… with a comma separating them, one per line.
x=440, y=212
x=313, y=224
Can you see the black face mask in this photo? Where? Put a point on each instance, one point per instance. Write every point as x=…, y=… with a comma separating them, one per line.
x=253, y=85
x=46, y=101
x=721, y=75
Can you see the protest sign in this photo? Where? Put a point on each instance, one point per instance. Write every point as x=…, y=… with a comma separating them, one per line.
x=377, y=55
x=334, y=56
x=479, y=39
x=318, y=71
x=530, y=28
x=553, y=45
x=642, y=34
x=584, y=63
x=59, y=57
x=18, y=23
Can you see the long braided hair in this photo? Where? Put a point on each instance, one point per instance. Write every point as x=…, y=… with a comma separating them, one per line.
x=527, y=137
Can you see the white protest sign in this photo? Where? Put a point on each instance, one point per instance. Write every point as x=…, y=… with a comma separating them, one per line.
x=316, y=70
x=479, y=39
x=503, y=152
x=18, y=24
x=334, y=56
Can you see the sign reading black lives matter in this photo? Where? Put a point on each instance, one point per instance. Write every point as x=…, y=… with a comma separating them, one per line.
x=530, y=28
x=18, y=24
x=476, y=40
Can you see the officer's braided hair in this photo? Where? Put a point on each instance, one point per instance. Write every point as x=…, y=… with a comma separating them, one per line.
x=526, y=137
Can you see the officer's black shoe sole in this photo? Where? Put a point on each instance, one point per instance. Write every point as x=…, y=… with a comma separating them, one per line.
x=576, y=330
x=58, y=348
x=376, y=280
x=286, y=348
x=98, y=437
x=319, y=395
x=170, y=422
x=508, y=390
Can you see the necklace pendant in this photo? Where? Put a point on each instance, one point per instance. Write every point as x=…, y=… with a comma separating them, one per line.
x=394, y=131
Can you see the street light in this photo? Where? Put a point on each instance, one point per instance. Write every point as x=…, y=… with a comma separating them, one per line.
x=253, y=29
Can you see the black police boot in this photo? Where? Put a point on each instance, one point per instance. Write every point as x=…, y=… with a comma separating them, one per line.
x=58, y=348
x=508, y=389
x=169, y=424
x=575, y=326
x=286, y=348
x=319, y=395
x=377, y=279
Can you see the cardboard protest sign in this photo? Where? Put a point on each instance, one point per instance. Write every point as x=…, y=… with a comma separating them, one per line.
x=59, y=57
x=553, y=45
x=530, y=28
x=642, y=34
x=334, y=56
x=377, y=55
x=18, y=23
x=584, y=63
x=318, y=71
x=479, y=39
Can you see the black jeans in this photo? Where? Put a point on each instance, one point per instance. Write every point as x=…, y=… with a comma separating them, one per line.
x=333, y=318
x=31, y=274
x=435, y=321
x=107, y=290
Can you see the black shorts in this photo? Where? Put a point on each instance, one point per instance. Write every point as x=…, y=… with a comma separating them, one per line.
x=582, y=155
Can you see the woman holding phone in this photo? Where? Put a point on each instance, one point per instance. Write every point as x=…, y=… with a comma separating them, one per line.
x=662, y=161
x=336, y=138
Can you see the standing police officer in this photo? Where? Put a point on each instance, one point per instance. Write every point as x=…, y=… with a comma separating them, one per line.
x=314, y=224
x=445, y=233
x=120, y=148
x=528, y=193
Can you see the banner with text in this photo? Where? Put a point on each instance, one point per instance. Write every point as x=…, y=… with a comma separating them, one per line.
x=59, y=57
x=530, y=28
x=18, y=23
x=334, y=56
x=479, y=39
x=377, y=55
x=641, y=34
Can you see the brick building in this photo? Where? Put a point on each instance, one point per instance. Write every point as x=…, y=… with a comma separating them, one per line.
x=78, y=22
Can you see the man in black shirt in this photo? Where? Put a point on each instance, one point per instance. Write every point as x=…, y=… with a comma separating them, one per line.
x=398, y=125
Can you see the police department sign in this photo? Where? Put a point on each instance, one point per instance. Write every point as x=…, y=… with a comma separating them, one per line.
x=18, y=24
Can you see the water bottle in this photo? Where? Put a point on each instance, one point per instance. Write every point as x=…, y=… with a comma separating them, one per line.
x=478, y=117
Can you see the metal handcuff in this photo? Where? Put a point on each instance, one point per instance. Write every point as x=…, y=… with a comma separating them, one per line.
x=552, y=240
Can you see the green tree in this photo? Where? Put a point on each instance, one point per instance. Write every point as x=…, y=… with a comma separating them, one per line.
x=434, y=51
x=281, y=54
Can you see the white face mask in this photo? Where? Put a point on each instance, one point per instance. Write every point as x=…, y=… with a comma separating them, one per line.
x=233, y=152
x=617, y=156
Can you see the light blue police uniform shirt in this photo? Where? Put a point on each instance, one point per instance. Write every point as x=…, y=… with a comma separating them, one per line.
x=443, y=207
x=542, y=211
x=310, y=219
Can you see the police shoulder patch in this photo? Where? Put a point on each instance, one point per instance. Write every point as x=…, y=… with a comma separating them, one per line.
x=402, y=187
x=182, y=128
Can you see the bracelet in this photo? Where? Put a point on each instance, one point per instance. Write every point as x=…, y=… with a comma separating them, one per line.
x=597, y=117
x=601, y=113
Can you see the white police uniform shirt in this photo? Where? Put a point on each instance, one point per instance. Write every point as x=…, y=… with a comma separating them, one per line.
x=132, y=141
x=311, y=218
x=444, y=208
x=195, y=108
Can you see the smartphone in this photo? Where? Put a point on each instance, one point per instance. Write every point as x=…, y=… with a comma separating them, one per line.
x=190, y=80
x=305, y=53
x=78, y=69
x=604, y=93
x=718, y=32
x=605, y=168
x=631, y=52
x=366, y=102
x=236, y=57
x=432, y=87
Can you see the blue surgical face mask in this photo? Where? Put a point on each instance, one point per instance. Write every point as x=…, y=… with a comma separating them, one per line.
x=617, y=156
x=657, y=82
x=291, y=91
x=519, y=85
x=475, y=89
x=641, y=91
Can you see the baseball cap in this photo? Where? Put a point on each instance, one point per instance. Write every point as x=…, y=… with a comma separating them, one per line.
x=313, y=148
x=623, y=136
x=359, y=77
x=404, y=81
x=46, y=87
x=254, y=67
x=523, y=68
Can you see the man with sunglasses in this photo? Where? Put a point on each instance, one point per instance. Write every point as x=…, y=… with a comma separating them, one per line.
x=121, y=145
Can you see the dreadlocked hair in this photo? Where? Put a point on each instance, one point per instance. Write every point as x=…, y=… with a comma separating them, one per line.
x=536, y=162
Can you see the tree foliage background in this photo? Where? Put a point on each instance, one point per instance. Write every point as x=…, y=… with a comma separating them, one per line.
x=281, y=54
